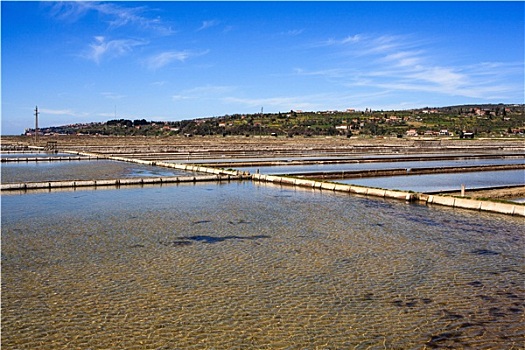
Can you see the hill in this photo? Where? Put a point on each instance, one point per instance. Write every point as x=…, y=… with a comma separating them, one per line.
x=482, y=120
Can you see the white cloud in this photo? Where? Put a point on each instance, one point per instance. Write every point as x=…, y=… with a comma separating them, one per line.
x=103, y=48
x=159, y=83
x=405, y=63
x=338, y=42
x=275, y=103
x=112, y=95
x=56, y=111
x=293, y=32
x=165, y=58
x=115, y=15
x=202, y=92
x=208, y=24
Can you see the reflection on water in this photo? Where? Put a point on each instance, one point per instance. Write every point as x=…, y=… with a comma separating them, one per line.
x=242, y=265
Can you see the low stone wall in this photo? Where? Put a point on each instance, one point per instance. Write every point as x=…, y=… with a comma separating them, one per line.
x=46, y=159
x=475, y=204
x=463, y=203
x=332, y=186
x=113, y=182
x=221, y=175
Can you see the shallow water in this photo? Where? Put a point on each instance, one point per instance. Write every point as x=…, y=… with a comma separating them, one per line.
x=81, y=170
x=244, y=265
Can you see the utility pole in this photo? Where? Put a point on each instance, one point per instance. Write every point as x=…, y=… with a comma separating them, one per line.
x=36, y=124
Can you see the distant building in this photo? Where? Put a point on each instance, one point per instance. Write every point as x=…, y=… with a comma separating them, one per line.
x=411, y=132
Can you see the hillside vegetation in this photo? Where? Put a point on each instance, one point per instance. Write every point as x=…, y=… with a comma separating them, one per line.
x=459, y=121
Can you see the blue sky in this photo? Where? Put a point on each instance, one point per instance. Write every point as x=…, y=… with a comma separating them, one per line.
x=167, y=61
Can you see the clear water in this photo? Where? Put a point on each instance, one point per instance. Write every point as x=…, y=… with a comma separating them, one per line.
x=244, y=265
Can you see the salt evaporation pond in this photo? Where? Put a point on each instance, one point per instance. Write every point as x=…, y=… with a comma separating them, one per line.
x=443, y=182
x=312, y=168
x=81, y=170
x=244, y=265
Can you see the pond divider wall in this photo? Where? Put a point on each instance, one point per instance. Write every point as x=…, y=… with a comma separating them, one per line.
x=222, y=174
x=114, y=182
x=48, y=159
x=463, y=203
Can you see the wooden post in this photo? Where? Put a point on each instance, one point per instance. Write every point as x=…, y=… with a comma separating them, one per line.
x=462, y=190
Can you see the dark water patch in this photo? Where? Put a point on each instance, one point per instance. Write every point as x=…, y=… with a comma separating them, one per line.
x=515, y=310
x=468, y=325
x=213, y=239
x=426, y=300
x=137, y=246
x=368, y=296
x=486, y=297
x=239, y=222
x=496, y=312
x=450, y=315
x=436, y=341
x=398, y=303
x=282, y=196
x=484, y=252
x=201, y=222
x=476, y=284
x=510, y=295
x=424, y=221
x=175, y=243
x=509, y=269
x=410, y=303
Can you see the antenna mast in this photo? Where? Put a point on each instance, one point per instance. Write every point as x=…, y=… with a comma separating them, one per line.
x=36, y=123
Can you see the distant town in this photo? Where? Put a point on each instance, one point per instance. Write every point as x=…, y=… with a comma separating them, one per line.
x=463, y=121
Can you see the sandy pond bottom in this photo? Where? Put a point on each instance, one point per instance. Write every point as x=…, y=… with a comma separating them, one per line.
x=242, y=265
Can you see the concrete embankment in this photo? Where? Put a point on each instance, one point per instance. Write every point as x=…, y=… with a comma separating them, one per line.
x=46, y=159
x=464, y=203
x=222, y=175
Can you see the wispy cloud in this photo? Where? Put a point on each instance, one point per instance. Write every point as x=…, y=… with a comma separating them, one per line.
x=208, y=24
x=165, y=58
x=114, y=14
x=203, y=92
x=404, y=63
x=102, y=48
x=56, y=111
x=283, y=103
x=112, y=95
x=293, y=32
x=159, y=83
x=344, y=41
